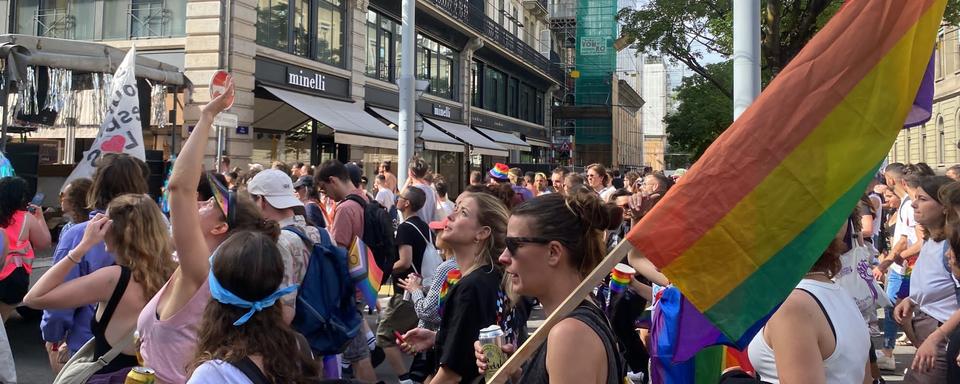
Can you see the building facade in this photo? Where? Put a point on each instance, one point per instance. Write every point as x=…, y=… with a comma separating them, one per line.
x=655, y=92
x=316, y=79
x=936, y=142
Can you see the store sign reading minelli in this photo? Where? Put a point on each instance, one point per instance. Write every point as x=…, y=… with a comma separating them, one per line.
x=306, y=79
x=442, y=111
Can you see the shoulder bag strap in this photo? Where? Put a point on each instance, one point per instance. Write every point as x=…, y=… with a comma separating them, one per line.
x=118, y=348
x=251, y=371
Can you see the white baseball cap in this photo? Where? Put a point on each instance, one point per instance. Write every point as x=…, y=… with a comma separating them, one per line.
x=275, y=186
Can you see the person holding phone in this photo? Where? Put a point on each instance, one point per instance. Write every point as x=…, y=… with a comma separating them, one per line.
x=26, y=230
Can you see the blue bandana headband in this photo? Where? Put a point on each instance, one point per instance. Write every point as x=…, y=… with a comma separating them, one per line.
x=221, y=294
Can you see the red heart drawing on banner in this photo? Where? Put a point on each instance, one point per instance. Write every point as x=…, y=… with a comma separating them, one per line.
x=115, y=144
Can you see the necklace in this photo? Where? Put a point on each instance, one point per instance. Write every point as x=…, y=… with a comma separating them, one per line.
x=824, y=274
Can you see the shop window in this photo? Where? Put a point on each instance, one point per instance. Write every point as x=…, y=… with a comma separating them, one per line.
x=476, y=84
x=382, y=45
x=273, y=19
x=494, y=92
x=538, y=112
x=286, y=26
x=301, y=27
x=512, y=86
x=329, y=31
x=436, y=63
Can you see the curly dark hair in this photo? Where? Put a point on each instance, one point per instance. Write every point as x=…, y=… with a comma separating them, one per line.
x=75, y=195
x=14, y=197
x=248, y=264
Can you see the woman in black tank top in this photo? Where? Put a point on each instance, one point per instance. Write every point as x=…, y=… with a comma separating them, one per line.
x=553, y=242
x=135, y=233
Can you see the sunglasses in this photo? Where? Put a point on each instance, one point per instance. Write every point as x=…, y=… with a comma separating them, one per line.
x=513, y=243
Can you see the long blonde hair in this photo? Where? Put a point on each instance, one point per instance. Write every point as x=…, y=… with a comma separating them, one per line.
x=140, y=240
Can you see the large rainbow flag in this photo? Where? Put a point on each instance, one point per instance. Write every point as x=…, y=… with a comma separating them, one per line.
x=364, y=271
x=740, y=229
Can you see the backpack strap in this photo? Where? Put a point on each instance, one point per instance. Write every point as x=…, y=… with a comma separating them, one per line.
x=357, y=199
x=251, y=371
x=412, y=264
x=303, y=236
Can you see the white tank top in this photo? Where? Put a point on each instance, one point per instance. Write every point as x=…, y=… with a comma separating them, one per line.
x=931, y=284
x=847, y=363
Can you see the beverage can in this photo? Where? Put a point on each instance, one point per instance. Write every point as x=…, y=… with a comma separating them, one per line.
x=141, y=375
x=491, y=339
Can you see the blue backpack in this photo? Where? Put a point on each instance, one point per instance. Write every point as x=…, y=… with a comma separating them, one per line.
x=326, y=314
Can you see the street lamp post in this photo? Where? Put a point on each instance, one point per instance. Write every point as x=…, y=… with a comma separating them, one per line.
x=405, y=134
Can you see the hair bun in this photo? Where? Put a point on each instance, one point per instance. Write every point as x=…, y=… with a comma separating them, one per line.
x=593, y=212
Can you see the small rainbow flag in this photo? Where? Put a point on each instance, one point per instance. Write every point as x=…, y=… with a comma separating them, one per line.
x=364, y=271
x=776, y=186
x=453, y=277
x=685, y=348
x=165, y=196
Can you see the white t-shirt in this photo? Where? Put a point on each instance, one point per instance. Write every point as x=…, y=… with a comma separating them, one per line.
x=220, y=372
x=931, y=284
x=385, y=197
x=606, y=193
x=906, y=226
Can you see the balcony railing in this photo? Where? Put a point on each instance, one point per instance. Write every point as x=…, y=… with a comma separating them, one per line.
x=55, y=23
x=536, y=5
x=480, y=23
x=149, y=20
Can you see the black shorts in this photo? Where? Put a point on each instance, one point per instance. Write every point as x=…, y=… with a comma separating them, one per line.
x=14, y=287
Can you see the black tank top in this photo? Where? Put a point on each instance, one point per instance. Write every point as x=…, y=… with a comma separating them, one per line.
x=99, y=328
x=587, y=312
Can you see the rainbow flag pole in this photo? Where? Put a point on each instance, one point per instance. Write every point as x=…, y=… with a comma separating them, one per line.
x=782, y=178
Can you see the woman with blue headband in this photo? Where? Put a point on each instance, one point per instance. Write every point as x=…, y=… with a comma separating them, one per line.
x=243, y=337
x=169, y=323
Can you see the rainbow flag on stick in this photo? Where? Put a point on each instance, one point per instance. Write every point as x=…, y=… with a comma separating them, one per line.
x=740, y=229
x=774, y=189
x=364, y=271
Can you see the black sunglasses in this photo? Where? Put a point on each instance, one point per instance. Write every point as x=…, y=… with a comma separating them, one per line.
x=513, y=243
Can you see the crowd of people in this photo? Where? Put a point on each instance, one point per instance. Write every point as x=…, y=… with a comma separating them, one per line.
x=223, y=288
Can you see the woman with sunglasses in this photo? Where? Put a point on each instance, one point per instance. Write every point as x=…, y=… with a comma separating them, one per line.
x=168, y=324
x=475, y=235
x=553, y=243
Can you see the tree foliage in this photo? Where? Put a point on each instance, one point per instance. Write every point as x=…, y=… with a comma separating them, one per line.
x=686, y=31
x=704, y=112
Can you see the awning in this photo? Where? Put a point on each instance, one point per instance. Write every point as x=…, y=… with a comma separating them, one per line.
x=350, y=123
x=538, y=143
x=433, y=138
x=505, y=139
x=479, y=145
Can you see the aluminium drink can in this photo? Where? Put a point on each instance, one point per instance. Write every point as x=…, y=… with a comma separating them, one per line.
x=491, y=339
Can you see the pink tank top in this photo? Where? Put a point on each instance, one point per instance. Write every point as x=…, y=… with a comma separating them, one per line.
x=167, y=346
x=20, y=253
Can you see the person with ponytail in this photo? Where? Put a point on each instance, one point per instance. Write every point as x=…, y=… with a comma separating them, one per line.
x=243, y=338
x=135, y=231
x=553, y=242
x=169, y=323
x=468, y=301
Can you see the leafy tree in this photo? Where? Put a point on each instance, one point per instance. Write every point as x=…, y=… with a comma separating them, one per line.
x=687, y=30
x=704, y=112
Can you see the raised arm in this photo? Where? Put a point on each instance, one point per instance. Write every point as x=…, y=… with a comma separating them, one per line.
x=184, y=217
x=52, y=292
x=39, y=233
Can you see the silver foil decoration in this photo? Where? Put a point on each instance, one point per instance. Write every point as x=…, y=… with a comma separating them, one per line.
x=158, y=104
x=60, y=85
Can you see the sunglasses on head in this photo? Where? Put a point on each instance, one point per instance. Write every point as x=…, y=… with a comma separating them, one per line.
x=513, y=243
